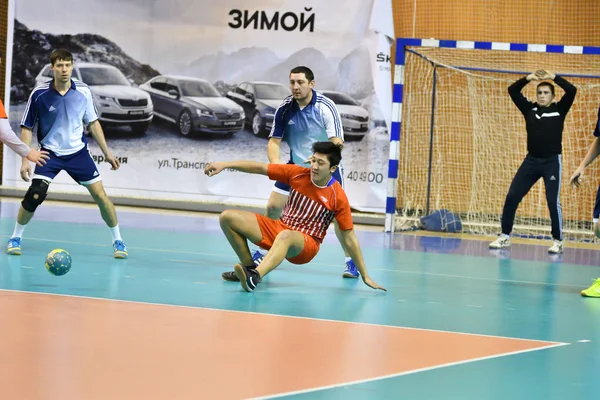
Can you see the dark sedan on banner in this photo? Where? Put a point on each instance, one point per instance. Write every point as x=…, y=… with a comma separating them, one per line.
x=194, y=105
x=260, y=100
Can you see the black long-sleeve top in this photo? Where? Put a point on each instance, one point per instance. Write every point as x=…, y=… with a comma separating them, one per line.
x=544, y=124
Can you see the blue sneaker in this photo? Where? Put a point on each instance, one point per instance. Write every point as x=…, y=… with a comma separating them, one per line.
x=14, y=246
x=120, y=249
x=257, y=257
x=350, y=271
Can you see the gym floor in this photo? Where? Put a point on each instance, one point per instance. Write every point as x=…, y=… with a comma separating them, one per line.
x=458, y=321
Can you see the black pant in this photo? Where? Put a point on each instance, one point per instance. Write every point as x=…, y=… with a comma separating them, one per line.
x=530, y=171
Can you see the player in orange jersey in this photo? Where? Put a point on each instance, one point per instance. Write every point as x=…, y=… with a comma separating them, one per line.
x=315, y=199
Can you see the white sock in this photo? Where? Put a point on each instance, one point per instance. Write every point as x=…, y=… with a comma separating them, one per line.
x=348, y=259
x=18, y=232
x=116, y=234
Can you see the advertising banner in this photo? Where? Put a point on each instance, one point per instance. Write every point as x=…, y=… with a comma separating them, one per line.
x=180, y=83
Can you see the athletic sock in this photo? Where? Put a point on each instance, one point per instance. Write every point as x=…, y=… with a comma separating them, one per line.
x=116, y=234
x=18, y=232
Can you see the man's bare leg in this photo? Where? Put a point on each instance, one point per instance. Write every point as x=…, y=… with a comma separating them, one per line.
x=273, y=210
x=239, y=227
x=109, y=215
x=288, y=244
x=107, y=208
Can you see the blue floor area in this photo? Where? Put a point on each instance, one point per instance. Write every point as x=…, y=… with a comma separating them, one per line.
x=436, y=283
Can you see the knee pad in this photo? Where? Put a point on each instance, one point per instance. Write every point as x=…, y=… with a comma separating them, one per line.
x=35, y=195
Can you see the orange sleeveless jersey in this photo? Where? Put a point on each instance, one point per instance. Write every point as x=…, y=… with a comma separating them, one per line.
x=310, y=209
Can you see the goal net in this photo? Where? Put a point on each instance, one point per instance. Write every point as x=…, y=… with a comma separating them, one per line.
x=463, y=139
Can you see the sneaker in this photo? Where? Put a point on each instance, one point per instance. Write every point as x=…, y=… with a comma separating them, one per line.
x=230, y=276
x=502, y=242
x=557, y=247
x=14, y=246
x=249, y=278
x=120, y=249
x=350, y=271
x=592, y=291
x=257, y=257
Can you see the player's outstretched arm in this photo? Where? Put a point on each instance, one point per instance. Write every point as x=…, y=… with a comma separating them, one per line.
x=250, y=167
x=351, y=244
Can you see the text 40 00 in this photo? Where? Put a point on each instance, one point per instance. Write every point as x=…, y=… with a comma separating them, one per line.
x=364, y=176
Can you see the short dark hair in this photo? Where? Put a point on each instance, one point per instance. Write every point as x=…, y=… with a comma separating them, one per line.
x=551, y=86
x=303, y=70
x=331, y=150
x=60, y=54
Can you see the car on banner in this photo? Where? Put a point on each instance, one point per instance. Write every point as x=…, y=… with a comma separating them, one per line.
x=355, y=118
x=259, y=100
x=117, y=100
x=194, y=105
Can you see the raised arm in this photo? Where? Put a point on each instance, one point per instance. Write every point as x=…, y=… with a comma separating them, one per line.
x=517, y=97
x=565, y=103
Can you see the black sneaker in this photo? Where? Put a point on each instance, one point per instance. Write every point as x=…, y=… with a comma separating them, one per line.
x=230, y=276
x=249, y=278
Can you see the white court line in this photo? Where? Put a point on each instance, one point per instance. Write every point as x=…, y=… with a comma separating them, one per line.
x=279, y=315
x=128, y=247
x=62, y=241
x=378, y=378
x=475, y=277
x=550, y=344
x=312, y=264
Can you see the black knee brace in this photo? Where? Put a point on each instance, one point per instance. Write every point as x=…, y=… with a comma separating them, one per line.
x=35, y=195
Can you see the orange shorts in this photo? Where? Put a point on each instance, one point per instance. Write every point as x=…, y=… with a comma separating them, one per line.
x=270, y=229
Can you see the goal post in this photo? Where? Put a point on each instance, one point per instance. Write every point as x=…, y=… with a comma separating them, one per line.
x=457, y=139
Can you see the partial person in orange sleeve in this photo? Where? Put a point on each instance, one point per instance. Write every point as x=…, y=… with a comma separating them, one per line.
x=10, y=138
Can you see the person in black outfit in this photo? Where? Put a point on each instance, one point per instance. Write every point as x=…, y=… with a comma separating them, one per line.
x=544, y=121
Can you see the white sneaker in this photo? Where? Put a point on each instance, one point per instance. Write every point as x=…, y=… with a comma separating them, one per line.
x=557, y=247
x=502, y=242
